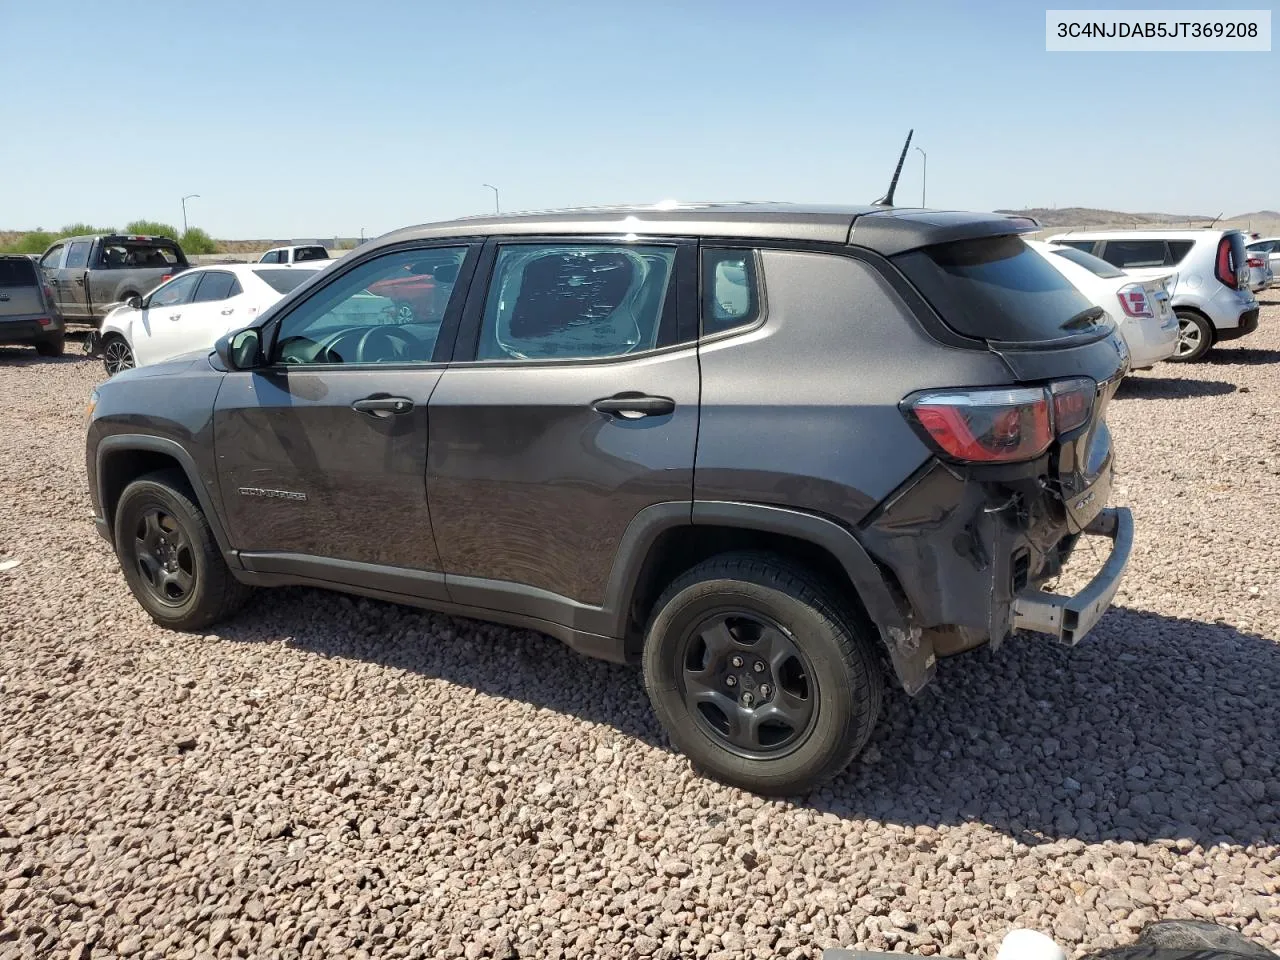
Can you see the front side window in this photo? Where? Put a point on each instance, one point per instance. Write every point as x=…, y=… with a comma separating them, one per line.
x=175, y=292
x=386, y=310
x=730, y=290
x=575, y=301
x=77, y=254
x=50, y=260
x=216, y=285
x=271, y=256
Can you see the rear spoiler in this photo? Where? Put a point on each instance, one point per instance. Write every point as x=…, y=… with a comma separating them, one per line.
x=891, y=232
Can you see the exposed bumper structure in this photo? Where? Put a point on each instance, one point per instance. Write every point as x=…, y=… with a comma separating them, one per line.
x=1071, y=618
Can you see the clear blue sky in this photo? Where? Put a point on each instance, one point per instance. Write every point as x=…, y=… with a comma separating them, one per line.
x=320, y=117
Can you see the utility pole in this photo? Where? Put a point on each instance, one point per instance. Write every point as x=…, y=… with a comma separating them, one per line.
x=924, y=177
x=496, y=208
x=189, y=196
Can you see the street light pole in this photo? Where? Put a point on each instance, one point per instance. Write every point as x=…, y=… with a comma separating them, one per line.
x=496, y=208
x=189, y=196
x=924, y=177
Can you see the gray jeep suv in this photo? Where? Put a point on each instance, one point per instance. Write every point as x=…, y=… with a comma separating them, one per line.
x=774, y=454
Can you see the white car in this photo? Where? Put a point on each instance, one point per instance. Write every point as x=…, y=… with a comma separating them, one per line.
x=1211, y=294
x=288, y=256
x=1141, y=308
x=191, y=311
x=1264, y=262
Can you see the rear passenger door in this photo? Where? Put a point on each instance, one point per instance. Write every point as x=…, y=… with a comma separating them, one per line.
x=570, y=405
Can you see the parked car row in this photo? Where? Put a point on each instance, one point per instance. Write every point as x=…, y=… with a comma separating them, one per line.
x=1211, y=292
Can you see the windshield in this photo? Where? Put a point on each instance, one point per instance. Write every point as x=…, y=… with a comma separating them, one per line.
x=997, y=288
x=1095, y=265
x=282, y=281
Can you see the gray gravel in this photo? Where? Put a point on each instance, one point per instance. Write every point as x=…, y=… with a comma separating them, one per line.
x=327, y=776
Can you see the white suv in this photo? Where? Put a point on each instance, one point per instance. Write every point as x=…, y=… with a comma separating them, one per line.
x=1211, y=293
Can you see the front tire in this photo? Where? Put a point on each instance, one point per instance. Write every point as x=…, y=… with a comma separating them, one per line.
x=1195, y=337
x=117, y=355
x=761, y=674
x=169, y=556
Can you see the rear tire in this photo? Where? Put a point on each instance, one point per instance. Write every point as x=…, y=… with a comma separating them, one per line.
x=117, y=355
x=169, y=556
x=53, y=346
x=761, y=674
x=1195, y=337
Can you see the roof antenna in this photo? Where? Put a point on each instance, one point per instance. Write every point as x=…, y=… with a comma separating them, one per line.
x=887, y=199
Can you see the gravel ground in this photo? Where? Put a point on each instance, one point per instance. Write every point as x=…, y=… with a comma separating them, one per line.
x=328, y=776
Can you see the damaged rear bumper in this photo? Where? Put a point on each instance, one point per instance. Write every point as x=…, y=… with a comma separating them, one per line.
x=1071, y=618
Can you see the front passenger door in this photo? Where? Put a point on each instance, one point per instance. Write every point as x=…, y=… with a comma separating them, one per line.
x=161, y=311
x=322, y=452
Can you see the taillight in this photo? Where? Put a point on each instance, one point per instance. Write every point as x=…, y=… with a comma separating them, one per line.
x=44, y=321
x=48, y=294
x=1001, y=425
x=1225, y=265
x=1072, y=403
x=167, y=276
x=1133, y=300
x=1255, y=262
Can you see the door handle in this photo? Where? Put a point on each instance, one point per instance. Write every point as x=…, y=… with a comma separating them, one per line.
x=229, y=311
x=175, y=316
x=634, y=405
x=381, y=406
x=80, y=280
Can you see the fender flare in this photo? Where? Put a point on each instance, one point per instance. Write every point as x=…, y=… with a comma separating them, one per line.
x=125, y=442
x=654, y=520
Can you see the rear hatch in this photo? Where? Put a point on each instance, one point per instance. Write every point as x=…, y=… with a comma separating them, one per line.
x=20, y=295
x=1000, y=291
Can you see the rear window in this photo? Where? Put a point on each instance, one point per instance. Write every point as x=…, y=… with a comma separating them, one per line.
x=310, y=253
x=997, y=288
x=139, y=254
x=282, y=281
x=1137, y=254
x=1094, y=265
x=18, y=272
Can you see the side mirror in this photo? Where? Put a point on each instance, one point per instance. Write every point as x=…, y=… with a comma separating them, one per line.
x=133, y=301
x=241, y=350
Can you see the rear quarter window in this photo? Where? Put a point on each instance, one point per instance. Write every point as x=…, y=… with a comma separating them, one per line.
x=996, y=288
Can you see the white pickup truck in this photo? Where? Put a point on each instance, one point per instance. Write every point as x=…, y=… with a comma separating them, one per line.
x=288, y=256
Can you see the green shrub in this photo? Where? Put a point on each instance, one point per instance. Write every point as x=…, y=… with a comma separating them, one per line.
x=81, y=229
x=37, y=241
x=196, y=240
x=152, y=228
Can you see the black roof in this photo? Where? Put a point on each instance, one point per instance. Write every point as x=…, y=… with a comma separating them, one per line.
x=888, y=230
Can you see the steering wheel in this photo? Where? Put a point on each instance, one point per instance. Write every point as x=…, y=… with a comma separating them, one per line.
x=394, y=338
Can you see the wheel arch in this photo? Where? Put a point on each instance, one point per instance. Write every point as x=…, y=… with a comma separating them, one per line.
x=667, y=539
x=123, y=458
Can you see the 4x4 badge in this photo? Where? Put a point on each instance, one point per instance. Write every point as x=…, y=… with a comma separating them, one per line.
x=271, y=494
